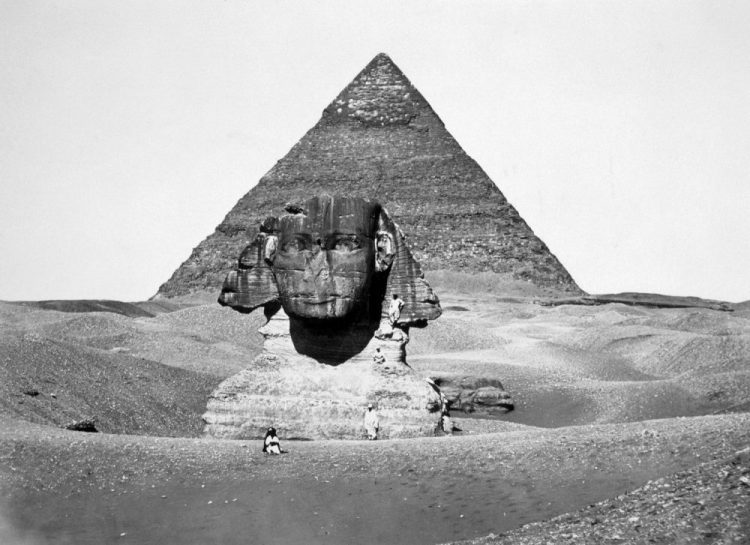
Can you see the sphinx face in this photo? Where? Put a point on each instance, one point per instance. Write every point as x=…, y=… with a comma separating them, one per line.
x=325, y=259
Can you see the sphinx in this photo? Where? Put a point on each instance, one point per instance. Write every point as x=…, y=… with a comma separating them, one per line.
x=324, y=274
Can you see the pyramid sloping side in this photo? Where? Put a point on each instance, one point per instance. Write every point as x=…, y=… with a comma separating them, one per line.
x=381, y=140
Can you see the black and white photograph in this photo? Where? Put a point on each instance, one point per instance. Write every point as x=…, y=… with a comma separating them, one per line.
x=374, y=272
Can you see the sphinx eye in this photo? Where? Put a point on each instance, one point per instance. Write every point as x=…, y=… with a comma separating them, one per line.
x=347, y=243
x=293, y=245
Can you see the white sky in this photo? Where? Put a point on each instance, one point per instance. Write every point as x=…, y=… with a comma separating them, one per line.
x=619, y=130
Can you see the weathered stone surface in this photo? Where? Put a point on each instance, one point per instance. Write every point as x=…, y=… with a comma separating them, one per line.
x=306, y=399
x=252, y=284
x=325, y=261
x=491, y=397
x=331, y=256
x=475, y=394
x=325, y=274
x=381, y=140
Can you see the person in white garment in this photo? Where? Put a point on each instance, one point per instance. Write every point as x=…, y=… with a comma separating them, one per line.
x=378, y=357
x=394, y=309
x=271, y=443
x=372, y=424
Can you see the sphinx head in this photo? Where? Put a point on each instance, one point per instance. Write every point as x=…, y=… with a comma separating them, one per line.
x=330, y=258
x=327, y=255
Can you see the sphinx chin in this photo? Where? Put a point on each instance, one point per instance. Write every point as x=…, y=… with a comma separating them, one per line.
x=321, y=308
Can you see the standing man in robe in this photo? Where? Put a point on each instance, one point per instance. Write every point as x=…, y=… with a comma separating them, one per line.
x=372, y=424
x=394, y=309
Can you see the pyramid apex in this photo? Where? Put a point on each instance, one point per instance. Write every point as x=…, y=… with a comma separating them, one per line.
x=379, y=95
x=382, y=59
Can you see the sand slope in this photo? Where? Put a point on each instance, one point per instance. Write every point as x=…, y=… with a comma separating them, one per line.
x=131, y=375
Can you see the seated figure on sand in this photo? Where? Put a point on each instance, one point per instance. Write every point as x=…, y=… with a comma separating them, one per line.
x=326, y=273
x=271, y=443
x=378, y=356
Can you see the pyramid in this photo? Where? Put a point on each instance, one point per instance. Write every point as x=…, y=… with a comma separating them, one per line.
x=380, y=139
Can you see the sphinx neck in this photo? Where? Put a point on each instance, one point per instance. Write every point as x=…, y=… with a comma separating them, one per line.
x=332, y=342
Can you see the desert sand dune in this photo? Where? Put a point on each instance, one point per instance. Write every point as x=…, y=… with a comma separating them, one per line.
x=607, y=399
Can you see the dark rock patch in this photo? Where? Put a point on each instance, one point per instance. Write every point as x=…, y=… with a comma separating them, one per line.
x=653, y=300
x=478, y=395
x=85, y=425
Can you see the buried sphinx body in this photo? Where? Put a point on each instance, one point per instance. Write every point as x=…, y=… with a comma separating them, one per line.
x=324, y=274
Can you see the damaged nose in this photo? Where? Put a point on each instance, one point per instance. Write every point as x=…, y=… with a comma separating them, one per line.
x=317, y=267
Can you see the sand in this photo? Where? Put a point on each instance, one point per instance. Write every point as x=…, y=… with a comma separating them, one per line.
x=613, y=402
x=89, y=488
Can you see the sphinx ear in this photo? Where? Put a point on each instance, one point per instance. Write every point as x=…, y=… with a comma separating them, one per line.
x=405, y=278
x=385, y=251
x=269, y=248
x=253, y=283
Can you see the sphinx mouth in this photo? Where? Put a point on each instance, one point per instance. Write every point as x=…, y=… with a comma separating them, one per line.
x=316, y=300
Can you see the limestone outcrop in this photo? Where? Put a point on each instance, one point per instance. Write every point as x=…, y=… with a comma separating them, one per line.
x=341, y=290
x=379, y=139
x=471, y=394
